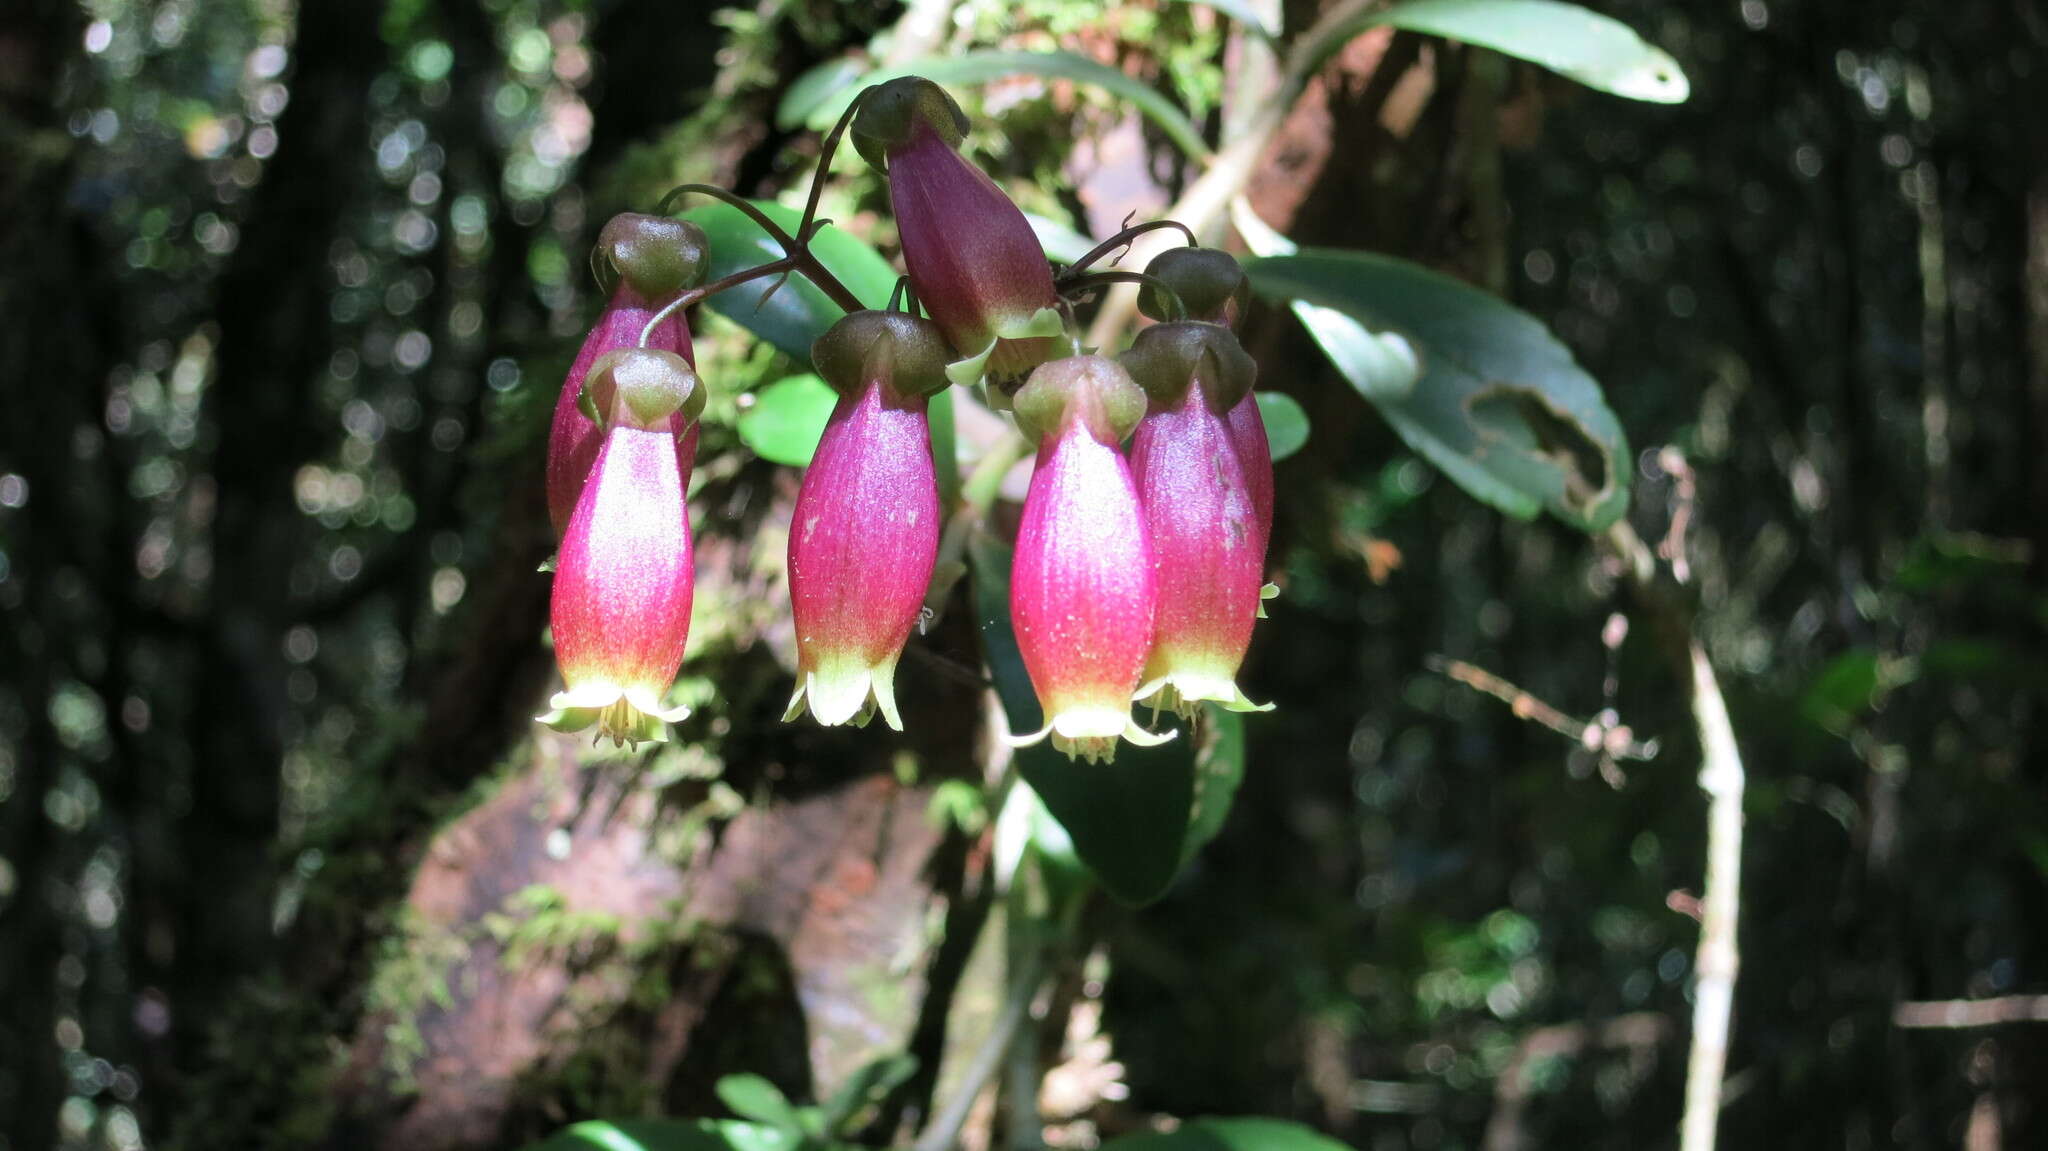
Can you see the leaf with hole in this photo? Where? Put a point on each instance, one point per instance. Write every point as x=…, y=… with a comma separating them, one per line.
x=1499, y=404
x=799, y=312
x=981, y=67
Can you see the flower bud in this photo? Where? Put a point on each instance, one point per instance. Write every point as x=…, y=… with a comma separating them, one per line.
x=625, y=575
x=1210, y=284
x=1207, y=548
x=1083, y=596
x=643, y=261
x=973, y=259
x=865, y=534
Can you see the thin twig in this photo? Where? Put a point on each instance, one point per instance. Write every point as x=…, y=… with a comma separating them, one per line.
x=1956, y=1013
x=1611, y=739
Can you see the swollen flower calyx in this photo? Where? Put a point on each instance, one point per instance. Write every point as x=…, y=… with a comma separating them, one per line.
x=657, y=255
x=642, y=388
x=891, y=112
x=1165, y=357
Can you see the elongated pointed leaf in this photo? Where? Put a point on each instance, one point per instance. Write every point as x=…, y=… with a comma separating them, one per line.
x=799, y=312
x=1597, y=51
x=1500, y=406
x=981, y=67
x=1128, y=819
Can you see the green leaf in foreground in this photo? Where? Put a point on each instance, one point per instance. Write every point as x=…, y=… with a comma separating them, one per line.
x=980, y=67
x=1597, y=51
x=787, y=418
x=1286, y=423
x=798, y=313
x=753, y=1097
x=666, y=1135
x=1499, y=405
x=1230, y=1135
x=1129, y=819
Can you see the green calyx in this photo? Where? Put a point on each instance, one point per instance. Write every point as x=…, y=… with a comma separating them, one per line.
x=908, y=352
x=658, y=256
x=1094, y=389
x=1207, y=280
x=1166, y=358
x=891, y=111
x=642, y=388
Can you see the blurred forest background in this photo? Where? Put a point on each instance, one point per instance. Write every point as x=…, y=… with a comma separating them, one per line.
x=287, y=291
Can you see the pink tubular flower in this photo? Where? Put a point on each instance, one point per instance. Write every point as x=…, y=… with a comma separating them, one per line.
x=1212, y=287
x=974, y=261
x=1083, y=595
x=865, y=533
x=1200, y=511
x=624, y=576
x=648, y=259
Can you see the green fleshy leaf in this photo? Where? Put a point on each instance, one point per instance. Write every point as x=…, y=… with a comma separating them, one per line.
x=867, y=1086
x=1597, y=51
x=945, y=446
x=1219, y=768
x=1286, y=424
x=1128, y=820
x=799, y=312
x=1500, y=405
x=787, y=418
x=753, y=1097
x=673, y=1135
x=980, y=67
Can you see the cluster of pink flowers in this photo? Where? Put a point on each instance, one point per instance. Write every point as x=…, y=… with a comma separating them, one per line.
x=1138, y=570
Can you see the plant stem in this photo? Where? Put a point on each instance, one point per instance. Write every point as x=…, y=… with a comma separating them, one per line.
x=1202, y=205
x=1717, y=960
x=700, y=294
x=944, y=1132
x=1714, y=968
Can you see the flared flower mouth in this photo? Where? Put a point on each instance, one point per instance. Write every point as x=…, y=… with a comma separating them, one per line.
x=1010, y=356
x=1184, y=693
x=847, y=692
x=1090, y=733
x=628, y=716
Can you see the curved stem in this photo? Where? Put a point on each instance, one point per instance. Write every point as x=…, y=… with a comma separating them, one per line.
x=1119, y=276
x=1123, y=240
x=746, y=206
x=825, y=151
x=796, y=248
x=700, y=294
